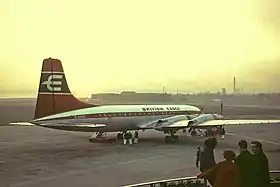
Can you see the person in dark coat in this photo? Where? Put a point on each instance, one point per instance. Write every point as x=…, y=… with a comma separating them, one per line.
x=213, y=142
x=245, y=164
x=198, y=152
x=223, y=132
x=207, y=159
x=261, y=166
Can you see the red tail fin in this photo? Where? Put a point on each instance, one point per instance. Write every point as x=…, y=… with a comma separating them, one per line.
x=54, y=95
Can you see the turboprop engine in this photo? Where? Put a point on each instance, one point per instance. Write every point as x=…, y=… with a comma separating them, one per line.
x=204, y=117
x=166, y=121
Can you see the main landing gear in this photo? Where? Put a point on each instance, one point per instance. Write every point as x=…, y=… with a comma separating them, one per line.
x=172, y=137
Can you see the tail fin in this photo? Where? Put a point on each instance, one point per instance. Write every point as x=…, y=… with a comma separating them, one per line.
x=54, y=95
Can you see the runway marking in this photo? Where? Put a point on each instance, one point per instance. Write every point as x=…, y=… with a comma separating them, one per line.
x=252, y=138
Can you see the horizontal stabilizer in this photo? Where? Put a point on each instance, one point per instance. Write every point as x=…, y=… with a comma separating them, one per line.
x=20, y=124
x=84, y=127
x=66, y=124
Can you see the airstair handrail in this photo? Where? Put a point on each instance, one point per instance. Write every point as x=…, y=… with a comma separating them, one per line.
x=274, y=171
x=162, y=181
x=153, y=183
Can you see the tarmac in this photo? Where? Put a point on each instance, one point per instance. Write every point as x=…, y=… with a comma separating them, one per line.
x=35, y=156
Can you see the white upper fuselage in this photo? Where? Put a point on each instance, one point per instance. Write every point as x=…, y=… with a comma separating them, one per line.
x=114, y=117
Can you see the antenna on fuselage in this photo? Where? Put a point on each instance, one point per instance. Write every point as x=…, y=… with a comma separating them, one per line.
x=201, y=111
x=222, y=108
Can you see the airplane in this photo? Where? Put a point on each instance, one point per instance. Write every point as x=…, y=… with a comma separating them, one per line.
x=57, y=108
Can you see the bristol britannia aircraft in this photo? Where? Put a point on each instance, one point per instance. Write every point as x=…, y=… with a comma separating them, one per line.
x=57, y=108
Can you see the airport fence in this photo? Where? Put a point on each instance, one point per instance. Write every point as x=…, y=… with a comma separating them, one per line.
x=195, y=182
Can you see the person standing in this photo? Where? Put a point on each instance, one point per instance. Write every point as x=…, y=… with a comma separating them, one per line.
x=223, y=132
x=130, y=138
x=207, y=159
x=136, y=137
x=261, y=166
x=198, y=152
x=124, y=138
x=225, y=173
x=119, y=136
x=245, y=164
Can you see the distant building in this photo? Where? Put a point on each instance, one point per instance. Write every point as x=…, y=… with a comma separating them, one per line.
x=237, y=90
x=128, y=92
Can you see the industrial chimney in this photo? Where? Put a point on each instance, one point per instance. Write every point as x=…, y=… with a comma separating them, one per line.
x=234, y=88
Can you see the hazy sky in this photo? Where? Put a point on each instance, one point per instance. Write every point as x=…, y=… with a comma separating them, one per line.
x=114, y=45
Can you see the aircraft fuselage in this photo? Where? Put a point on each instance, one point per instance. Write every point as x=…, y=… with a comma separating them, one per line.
x=114, y=117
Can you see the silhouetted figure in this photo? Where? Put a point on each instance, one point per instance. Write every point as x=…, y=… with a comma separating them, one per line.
x=225, y=173
x=261, y=166
x=244, y=161
x=207, y=159
x=119, y=136
x=125, y=138
x=136, y=137
x=210, y=132
x=130, y=138
x=223, y=132
x=198, y=152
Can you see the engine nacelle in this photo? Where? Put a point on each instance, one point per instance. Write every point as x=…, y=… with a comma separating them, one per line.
x=204, y=117
x=162, y=122
x=173, y=119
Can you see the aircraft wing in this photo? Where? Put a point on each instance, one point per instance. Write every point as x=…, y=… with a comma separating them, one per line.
x=236, y=122
x=181, y=124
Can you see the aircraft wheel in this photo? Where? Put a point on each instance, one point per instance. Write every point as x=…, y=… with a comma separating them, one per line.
x=167, y=139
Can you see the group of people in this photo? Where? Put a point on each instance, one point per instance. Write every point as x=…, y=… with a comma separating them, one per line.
x=217, y=131
x=247, y=169
x=209, y=132
x=128, y=138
